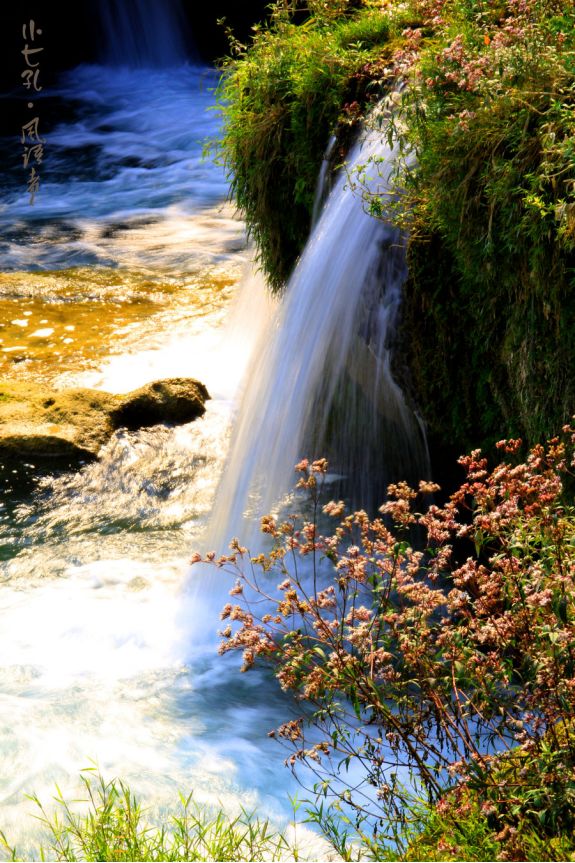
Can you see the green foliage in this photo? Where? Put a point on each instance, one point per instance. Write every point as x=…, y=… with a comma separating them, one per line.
x=280, y=99
x=466, y=827
x=489, y=313
x=111, y=825
x=490, y=114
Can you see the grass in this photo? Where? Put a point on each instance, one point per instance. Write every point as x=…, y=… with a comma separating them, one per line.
x=489, y=309
x=112, y=825
x=109, y=824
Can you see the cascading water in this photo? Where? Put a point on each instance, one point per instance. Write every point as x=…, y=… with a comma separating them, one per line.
x=144, y=33
x=324, y=181
x=329, y=352
x=120, y=274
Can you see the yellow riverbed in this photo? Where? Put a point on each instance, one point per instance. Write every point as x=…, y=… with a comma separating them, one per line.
x=55, y=324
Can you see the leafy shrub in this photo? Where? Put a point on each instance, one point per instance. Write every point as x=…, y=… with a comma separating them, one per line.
x=428, y=673
x=491, y=204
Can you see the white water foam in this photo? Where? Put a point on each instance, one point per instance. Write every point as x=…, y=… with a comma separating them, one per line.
x=125, y=181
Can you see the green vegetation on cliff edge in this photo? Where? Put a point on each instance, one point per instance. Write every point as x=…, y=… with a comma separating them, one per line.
x=490, y=307
x=281, y=98
x=488, y=315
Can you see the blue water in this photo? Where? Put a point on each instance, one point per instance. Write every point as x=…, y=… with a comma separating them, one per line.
x=131, y=158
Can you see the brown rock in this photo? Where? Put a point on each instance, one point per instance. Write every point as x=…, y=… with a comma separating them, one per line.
x=174, y=400
x=73, y=425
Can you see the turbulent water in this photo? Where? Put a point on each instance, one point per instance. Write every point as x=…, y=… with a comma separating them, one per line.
x=122, y=272
x=124, y=181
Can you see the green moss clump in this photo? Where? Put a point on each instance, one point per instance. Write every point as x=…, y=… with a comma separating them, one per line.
x=280, y=99
x=488, y=356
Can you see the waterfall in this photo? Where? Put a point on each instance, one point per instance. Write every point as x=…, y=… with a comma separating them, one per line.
x=143, y=33
x=324, y=180
x=326, y=363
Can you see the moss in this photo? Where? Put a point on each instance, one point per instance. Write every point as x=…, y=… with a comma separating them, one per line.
x=74, y=424
x=280, y=100
x=487, y=358
x=489, y=312
x=176, y=400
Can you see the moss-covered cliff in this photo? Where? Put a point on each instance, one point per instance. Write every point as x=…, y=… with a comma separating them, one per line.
x=281, y=98
x=488, y=327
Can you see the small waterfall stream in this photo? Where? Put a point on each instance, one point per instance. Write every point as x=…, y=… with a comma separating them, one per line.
x=329, y=354
x=144, y=33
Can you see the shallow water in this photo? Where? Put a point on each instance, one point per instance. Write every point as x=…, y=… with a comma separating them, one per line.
x=122, y=272
x=57, y=325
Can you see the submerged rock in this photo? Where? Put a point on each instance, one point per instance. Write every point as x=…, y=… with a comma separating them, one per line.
x=72, y=425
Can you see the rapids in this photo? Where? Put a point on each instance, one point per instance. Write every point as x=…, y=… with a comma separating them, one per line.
x=122, y=272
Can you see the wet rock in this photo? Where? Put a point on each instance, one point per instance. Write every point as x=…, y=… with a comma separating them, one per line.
x=175, y=400
x=71, y=426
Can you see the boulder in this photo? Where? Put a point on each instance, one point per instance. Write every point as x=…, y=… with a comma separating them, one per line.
x=72, y=425
x=175, y=400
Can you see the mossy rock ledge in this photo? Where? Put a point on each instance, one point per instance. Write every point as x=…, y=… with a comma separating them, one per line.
x=65, y=427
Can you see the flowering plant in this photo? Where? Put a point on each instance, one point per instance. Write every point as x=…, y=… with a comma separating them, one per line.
x=441, y=668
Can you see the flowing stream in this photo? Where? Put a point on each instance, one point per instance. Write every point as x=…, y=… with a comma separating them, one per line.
x=123, y=272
